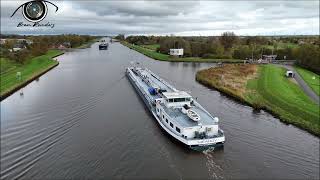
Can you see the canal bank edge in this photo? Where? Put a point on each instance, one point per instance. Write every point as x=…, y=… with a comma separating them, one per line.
x=12, y=90
x=206, y=82
x=164, y=57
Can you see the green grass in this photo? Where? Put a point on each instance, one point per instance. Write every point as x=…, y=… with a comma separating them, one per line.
x=285, y=99
x=311, y=78
x=6, y=65
x=153, y=47
x=165, y=57
x=269, y=89
x=31, y=68
x=281, y=45
x=147, y=52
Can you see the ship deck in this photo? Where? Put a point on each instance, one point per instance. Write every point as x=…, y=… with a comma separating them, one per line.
x=182, y=119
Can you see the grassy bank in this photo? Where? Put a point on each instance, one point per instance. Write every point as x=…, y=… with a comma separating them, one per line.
x=150, y=52
x=29, y=70
x=311, y=78
x=231, y=79
x=265, y=87
x=153, y=47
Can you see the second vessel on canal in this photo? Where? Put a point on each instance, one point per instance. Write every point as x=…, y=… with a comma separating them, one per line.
x=103, y=46
x=176, y=111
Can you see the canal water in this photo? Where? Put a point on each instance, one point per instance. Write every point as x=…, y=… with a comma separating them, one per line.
x=83, y=119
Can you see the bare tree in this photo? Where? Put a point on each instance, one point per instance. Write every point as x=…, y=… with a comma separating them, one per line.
x=228, y=39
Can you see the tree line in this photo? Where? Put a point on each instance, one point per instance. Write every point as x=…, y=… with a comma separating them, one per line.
x=39, y=45
x=303, y=49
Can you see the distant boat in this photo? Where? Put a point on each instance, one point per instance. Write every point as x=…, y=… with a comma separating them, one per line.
x=177, y=112
x=103, y=46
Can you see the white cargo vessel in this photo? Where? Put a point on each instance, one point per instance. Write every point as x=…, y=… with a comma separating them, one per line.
x=176, y=111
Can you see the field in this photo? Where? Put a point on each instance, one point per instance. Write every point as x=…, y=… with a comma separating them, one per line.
x=30, y=69
x=281, y=45
x=311, y=78
x=268, y=89
x=165, y=57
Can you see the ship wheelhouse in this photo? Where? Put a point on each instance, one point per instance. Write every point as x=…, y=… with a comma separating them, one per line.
x=181, y=115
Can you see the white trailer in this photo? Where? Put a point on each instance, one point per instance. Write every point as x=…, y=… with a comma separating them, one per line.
x=176, y=52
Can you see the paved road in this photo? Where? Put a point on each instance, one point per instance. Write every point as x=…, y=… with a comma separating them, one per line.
x=303, y=84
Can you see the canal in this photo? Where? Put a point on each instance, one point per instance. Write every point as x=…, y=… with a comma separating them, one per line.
x=83, y=119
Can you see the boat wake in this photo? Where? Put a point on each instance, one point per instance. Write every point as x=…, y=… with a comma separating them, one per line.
x=214, y=169
x=19, y=154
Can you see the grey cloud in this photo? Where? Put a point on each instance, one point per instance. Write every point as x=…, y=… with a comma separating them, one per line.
x=138, y=8
x=166, y=17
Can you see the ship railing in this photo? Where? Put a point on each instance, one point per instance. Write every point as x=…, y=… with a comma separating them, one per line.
x=202, y=108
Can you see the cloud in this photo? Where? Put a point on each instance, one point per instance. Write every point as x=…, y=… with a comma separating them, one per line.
x=138, y=8
x=167, y=17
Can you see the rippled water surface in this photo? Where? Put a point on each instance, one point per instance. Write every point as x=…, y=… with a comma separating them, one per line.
x=83, y=119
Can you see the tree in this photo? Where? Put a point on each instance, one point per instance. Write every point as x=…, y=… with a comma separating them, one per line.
x=39, y=47
x=256, y=40
x=171, y=42
x=19, y=56
x=217, y=49
x=308, y=56
x=242, y=52
x=120, y=37
x=9, y=44
x=139, y=40
x=195, y=49
x=228, y=39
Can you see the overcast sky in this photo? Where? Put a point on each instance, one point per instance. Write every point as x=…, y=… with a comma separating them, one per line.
x=168, y=17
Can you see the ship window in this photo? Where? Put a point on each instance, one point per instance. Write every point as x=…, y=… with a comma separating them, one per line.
x=158, y=110
x=188, y=99
x=179, y=99
x=170, y=100
x=162, y=116
x=167, y=120
x=171, y=124
x=178, y=129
